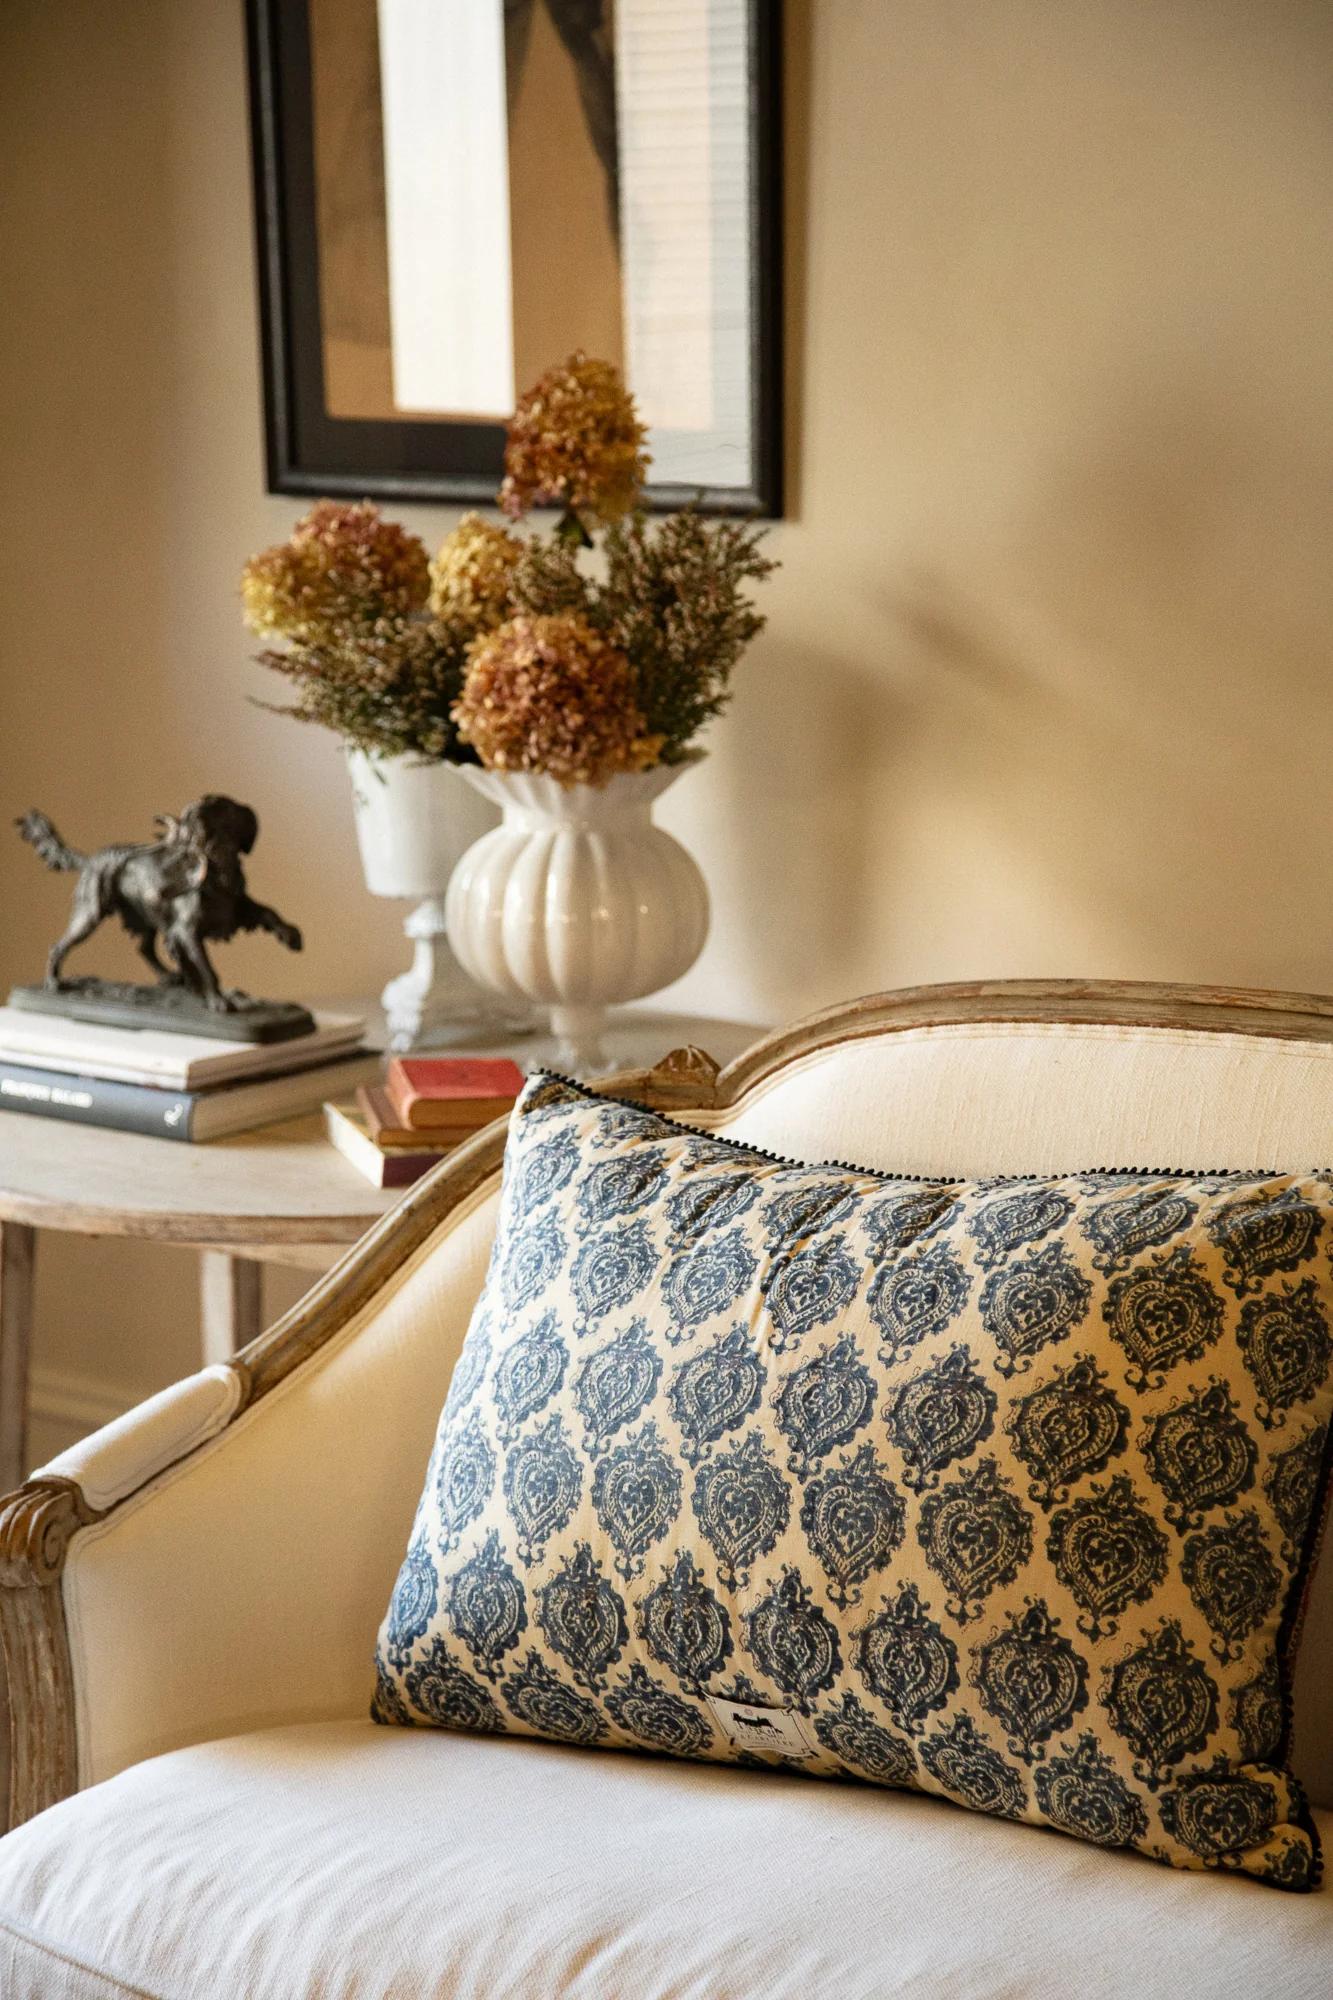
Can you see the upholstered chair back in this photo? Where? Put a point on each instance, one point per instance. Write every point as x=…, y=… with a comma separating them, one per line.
x=982, y=1097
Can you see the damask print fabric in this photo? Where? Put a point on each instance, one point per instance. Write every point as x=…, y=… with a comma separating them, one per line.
x=1005, y=1491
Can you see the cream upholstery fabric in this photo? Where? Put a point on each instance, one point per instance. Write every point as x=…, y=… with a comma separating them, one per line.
x=1014, y=1098
x=244, y=1585
x=134, y=1448
x=360, y=1864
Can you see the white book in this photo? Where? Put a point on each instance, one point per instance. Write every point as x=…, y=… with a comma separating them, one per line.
x=168, y=1061
x=219, y=1114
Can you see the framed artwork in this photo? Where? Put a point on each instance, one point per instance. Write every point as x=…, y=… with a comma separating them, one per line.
x=454, y=195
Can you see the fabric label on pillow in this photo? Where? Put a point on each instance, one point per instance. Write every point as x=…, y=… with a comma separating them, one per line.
x=776, y=1732
x=1005, y=1491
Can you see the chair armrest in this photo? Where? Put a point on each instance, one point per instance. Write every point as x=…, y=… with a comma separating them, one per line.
x=126, y=1453
x=218, y=1560
x=71, y=1492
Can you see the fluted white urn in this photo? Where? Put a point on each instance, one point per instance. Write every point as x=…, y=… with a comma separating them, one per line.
x=577, y=900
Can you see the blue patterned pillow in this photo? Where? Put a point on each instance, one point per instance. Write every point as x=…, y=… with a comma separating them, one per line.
x=1003, y=1490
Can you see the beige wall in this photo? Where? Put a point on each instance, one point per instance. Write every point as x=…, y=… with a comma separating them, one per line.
x=1045, y=685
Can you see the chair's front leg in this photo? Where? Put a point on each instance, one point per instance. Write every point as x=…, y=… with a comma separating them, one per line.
x=39, y=1760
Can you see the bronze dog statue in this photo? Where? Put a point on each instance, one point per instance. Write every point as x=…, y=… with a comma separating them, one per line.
x=186, y=889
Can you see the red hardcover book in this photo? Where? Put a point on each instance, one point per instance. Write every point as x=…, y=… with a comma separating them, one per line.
x=451, y=1093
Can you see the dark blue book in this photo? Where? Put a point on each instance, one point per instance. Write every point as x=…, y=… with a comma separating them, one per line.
x=189, y=1115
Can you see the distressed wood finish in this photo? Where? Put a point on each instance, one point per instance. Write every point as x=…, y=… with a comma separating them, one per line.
x=38, y=1522
x=41, y=1750
x=281, y=1185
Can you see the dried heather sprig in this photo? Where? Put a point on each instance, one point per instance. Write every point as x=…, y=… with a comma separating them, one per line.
x=471, y=574
x=547, y=579
x=344, y=569
x=575, y=442
x=390, y=691
x=674, y=603
x=551, y=695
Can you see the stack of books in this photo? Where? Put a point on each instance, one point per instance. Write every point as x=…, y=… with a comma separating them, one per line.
x=426, y=1107
x=169, y=1085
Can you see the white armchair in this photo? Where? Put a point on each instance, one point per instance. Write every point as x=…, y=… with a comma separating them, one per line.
x=188, y=1604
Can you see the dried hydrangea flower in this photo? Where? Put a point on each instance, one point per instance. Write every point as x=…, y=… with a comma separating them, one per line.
x=471, y=574
x=672, y=598
x=551, y=695
x=575, y=442
x=345, y=569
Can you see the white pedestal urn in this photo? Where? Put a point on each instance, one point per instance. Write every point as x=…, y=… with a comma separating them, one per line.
x=577, y=901
x=413, y=821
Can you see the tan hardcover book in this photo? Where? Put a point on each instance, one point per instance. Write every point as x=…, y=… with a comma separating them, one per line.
x=348, y=1131
x=386, y=1128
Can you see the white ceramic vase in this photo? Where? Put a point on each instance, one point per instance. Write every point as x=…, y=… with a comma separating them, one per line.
x=576, y=901
x=413, y=821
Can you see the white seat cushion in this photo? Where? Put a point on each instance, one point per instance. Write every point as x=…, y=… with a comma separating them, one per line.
x=337, y=1861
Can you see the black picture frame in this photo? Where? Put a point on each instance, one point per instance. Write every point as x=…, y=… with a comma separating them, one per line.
x=309, y=452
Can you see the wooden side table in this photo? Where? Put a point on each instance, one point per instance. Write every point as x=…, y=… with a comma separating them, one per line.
x=280, y=1195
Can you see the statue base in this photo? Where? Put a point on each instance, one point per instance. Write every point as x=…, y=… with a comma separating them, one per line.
x=121, y=1003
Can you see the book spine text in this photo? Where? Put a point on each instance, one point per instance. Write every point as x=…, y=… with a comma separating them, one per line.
x=95, y=1100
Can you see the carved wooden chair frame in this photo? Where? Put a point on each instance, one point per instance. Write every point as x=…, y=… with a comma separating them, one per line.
x=38, y=1521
